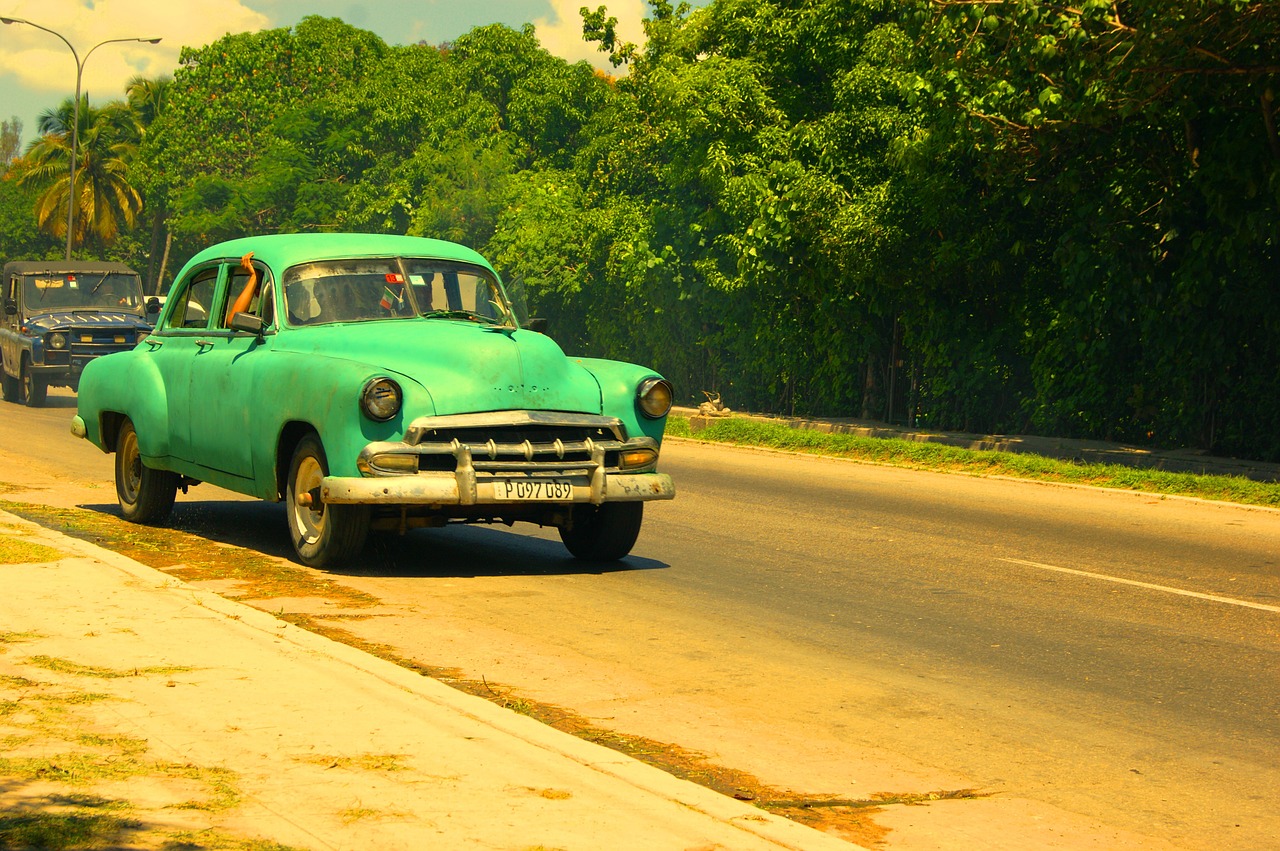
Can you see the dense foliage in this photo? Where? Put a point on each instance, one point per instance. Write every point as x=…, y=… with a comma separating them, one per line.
x=1000, y=215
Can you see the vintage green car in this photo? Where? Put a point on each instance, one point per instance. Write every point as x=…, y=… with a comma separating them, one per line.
x=374, y=382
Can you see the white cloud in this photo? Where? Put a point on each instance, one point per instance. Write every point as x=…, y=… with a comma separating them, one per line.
x=561, y=34
x=41, y=62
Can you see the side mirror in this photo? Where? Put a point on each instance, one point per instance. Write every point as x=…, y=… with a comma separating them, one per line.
x=536, y=324
x=10, y=307
x=248, y=322
x=153, y=305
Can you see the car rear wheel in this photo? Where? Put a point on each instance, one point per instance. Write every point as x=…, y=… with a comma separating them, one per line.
x=146, y=495
x=603, y=532
x=34, y=388
x=323, y=535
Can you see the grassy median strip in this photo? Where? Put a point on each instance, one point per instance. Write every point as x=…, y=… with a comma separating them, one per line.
x=939, y=457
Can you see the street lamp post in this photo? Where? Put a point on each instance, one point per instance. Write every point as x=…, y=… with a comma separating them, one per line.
x=75, y=110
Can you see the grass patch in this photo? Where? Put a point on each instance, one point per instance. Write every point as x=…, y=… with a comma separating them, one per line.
x=127, y=745
x=17, y=551
x=212, y=840
x=363, y=762
x=221, y=783
x=678, y=427
x=939, y=457
x=351, y=815
x=189, y=556
x=17, y=637
x=65, y=666
x=72, y=768
x=60, y=830
x=79, y=698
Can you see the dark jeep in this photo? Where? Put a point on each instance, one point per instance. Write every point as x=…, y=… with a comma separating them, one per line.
x=59, y=316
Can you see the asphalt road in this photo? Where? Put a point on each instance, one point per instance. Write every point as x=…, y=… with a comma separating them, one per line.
x=1108, y=661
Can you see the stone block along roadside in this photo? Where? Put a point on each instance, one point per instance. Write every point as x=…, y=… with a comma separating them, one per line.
x=135, y=704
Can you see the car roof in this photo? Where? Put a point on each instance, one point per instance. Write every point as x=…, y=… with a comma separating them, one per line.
x=280, y=251
x=58, y=267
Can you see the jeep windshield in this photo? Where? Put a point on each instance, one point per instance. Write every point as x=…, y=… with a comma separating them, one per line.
x=368, y=289
x=47, y=292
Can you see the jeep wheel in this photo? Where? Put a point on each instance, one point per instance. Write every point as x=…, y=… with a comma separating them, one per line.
x=145, y=495
x=34, y=388
x=8, y=384
x=323, y=535
x=605, y=532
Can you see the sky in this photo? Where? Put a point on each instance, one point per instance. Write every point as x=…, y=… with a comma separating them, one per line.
x=37, y=70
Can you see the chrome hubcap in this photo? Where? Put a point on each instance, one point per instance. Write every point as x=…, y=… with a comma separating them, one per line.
x=131, y=461
x=308, y=520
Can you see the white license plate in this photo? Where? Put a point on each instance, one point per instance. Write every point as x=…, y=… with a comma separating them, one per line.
x=533, y=490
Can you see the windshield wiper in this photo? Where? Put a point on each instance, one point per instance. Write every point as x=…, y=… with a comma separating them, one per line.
x=459, y=314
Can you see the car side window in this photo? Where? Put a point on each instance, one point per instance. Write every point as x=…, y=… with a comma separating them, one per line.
x=195, y=300
x=266, y=304
x=263, y=303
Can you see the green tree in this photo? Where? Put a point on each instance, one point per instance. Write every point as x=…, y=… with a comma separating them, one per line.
x=147, y=98
x=1142, y=138
x=253, y=134
x=20, y=239
x=105, y=199
x=10, y=140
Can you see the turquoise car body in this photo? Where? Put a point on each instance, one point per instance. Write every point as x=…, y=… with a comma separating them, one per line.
x=227, y=405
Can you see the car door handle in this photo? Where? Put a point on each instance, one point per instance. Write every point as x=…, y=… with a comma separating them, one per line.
x=203, y=343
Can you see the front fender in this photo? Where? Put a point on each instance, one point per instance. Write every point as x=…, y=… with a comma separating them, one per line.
x=120, y=385
x=324, y=394
x=618, y=383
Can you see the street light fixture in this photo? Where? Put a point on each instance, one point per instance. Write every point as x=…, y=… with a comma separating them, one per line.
x=75, y=110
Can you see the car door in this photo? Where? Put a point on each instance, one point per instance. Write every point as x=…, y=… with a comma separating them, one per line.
x=174, y=346
x=224, y=391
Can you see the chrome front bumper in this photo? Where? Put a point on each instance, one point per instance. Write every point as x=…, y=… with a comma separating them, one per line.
x=587, y=459
x=458, y=489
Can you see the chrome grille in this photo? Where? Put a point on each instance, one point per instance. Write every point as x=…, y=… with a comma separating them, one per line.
x=528, y=442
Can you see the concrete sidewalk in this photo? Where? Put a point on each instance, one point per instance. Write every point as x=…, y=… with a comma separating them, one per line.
x=152, y=712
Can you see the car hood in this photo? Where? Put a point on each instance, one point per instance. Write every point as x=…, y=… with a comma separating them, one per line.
x=467, y=367
x=66, y=320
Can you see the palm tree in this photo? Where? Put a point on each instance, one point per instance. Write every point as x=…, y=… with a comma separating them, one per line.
x=105, y=200
x=147, y=99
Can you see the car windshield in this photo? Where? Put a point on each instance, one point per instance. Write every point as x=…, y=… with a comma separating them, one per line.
x=117, y=291
x=392, y=288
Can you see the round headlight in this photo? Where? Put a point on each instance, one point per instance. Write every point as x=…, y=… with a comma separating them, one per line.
x=380, y=399
x=655, y=397
x=57, y=341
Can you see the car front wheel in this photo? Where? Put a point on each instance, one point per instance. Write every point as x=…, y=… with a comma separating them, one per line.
x=146, y=495
x=323, y=535
x=603, y=532
x=34, y=388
